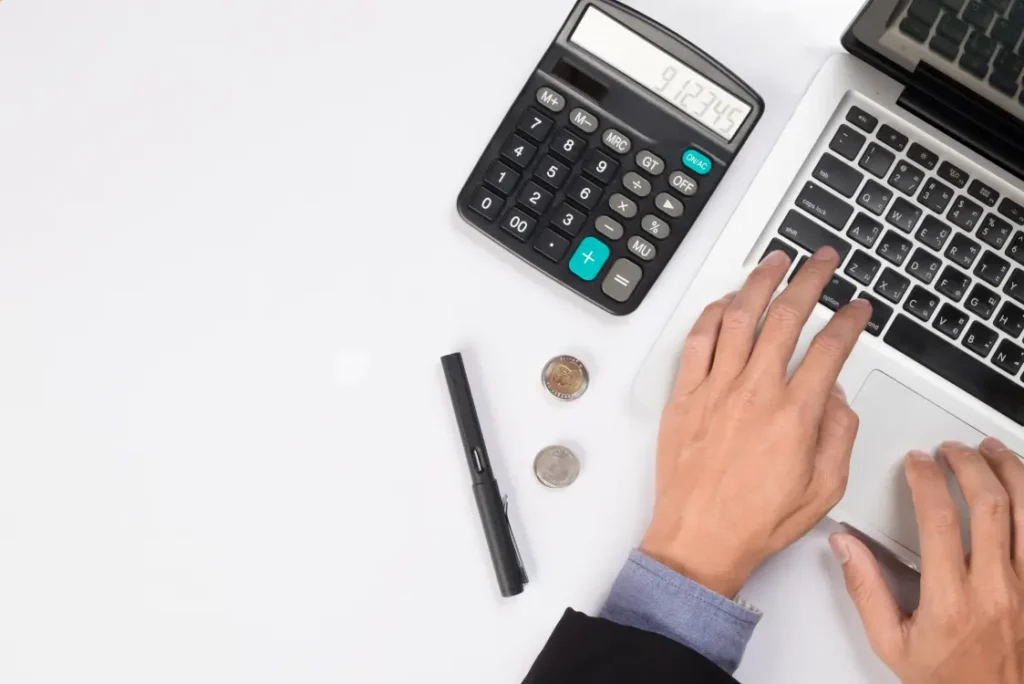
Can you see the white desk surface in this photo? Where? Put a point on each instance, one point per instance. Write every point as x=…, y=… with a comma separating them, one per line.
x=229, y=262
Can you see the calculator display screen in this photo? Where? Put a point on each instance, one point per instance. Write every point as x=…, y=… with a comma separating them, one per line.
x=664, y=75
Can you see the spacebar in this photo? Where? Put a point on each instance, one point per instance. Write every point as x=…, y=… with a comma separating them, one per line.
x=958, y=367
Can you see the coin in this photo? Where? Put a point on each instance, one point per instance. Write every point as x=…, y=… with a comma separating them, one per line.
x=566, y=377
x=556, y=467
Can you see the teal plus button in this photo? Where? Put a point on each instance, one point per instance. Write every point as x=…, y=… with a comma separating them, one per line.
x=696, y=162
x=590, y=256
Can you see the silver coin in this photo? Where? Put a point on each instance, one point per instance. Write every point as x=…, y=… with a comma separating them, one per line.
x=556, y=467
x=566, y=377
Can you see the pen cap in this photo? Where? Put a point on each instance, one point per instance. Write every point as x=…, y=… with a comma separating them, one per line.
x=465, y=416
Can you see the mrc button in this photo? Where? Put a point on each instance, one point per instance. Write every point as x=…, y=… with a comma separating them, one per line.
x=617, y=141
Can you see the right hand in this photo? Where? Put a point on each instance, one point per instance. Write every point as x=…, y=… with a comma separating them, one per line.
x=969, y=626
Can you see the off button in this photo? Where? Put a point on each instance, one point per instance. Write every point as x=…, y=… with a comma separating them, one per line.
x=697, y=162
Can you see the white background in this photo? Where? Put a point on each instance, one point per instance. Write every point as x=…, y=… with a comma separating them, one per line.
x=229, y=262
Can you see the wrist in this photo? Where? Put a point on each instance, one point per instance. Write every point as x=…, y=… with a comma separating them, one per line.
x=706, y=566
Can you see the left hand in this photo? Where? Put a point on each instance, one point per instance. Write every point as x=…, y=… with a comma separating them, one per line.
x=750, y=459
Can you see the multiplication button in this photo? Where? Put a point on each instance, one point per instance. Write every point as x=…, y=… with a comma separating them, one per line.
x=622, y=280
x=622, y=205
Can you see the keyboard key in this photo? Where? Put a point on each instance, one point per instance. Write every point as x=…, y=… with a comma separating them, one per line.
x=904, y=215
x=874, y=197
x=552, y=245
x=837, y=293
x=568, y=220
x=501, y=178
x=1016, y=249
x=862, y=120
x=979, y=14
x=947, y=47
x=1009, y=357
x=906, y=178
x=551, y=172
x=865, y=230
x=992, y=268
x=952, y=174
x=933, y=233
x=812, y=236
x=1008, y=64
x=486, y=203
x=622, y=205
x=1016, y=16
x=983, y=193
x=965, y=213
x=923, y=156
x=953, y=284
x=837, y=175
x=951, y=321
x=535, y=198
x=535, y=125
x=847, y=142
x=1011, y=320
x=982, y=302
x=586, y=194
x=568, y=146
x=927, y=11
x=952, y=28
x=877, y=160
x=980, y=339
x=600, y=166
x=863, y=267
x=921, y=303
x=1000, y=6
x=880, y=314
x=1015, y=285
x=1012, y=211
x=981, y=46
x=822, y=204
x=892, y=285
x=936, y=196
x=893, y=138
x=775, y=245
x=974, y=65
x=963, y=250
x=994, y=231
x=894, y=248
x=915, y=28
x=1004, y=84
x=518, y=151
x=519, y=224
x=924, y=266
x=985, y=384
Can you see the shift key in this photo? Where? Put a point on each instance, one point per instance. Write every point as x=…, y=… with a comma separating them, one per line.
x=838, y=175
x=811, y=235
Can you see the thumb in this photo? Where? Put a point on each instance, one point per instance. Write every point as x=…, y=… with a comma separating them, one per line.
x=882, y=618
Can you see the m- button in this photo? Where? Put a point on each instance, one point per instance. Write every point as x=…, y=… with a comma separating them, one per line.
x=617, y=141
x=583, y=120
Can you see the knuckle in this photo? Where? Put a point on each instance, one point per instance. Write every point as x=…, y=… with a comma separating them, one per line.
x=846, y=419
x=1003, y=600
x=783, y=312
x=945, y=519
x=951, y=612
x=830, y=343
x=992, y=504
x=736, y=318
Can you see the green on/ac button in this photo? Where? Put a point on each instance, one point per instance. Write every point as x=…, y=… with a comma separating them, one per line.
x=696, y=162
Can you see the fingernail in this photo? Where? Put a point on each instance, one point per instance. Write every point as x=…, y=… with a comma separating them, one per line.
x=918, y=455
x=731, y=295
x=840, y=549
x=991, y=446
x=776, y=258
x=838, y=390
x=826, y=254
x=952, y=445
x=860, y=304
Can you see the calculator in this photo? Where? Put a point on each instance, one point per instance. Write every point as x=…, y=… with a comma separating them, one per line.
x=607, y=157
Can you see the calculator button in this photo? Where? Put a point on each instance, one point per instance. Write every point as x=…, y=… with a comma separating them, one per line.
x=535, y=198
x=642, y=248
x=669, y=204
x=568, y=220
x=552, y=245
x=650, y=162
x=552, y=172
x=697, y=162
x=655, y=226
x=600, y=166
x=550, y=99
x=683, y=183
x=589, y=258
x=486, y=203
x=608, y=227
x=584, y=193
x=535, y=125
x=622, y=280
x=583, y=120
x=518, y=151
x=639, y=186
x=501, y=178
x=519, y=224
x=568, y=146
x=622, y=205
x=617, y=141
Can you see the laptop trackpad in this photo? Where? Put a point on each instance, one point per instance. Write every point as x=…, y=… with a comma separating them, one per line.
x=894, y=420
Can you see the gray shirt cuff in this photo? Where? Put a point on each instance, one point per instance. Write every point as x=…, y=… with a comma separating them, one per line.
x=652, y=597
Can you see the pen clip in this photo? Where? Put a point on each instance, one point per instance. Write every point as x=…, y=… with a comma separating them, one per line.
x=515, y=545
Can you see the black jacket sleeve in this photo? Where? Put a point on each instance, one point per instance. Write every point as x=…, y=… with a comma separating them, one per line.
x=593, y=651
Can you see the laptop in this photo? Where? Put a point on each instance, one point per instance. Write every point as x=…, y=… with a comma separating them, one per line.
x=907, y=156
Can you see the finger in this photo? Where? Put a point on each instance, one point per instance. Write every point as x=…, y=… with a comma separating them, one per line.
x=938, y=523
x=883, y=620
x=699, y=348
x=1010, y=471
x=989, y=506
x=789, y=312
x=824, y=360
x=739, y=324
x=835, y=445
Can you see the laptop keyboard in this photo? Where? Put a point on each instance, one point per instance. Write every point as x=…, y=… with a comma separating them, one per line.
x=937, y=252
x=983, y=37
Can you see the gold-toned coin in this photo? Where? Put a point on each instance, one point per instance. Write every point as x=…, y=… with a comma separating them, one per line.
x=566, y=378
x=556, y=467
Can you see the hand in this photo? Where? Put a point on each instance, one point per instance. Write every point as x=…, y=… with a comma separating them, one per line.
x=969, y=626
x=750, y=459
